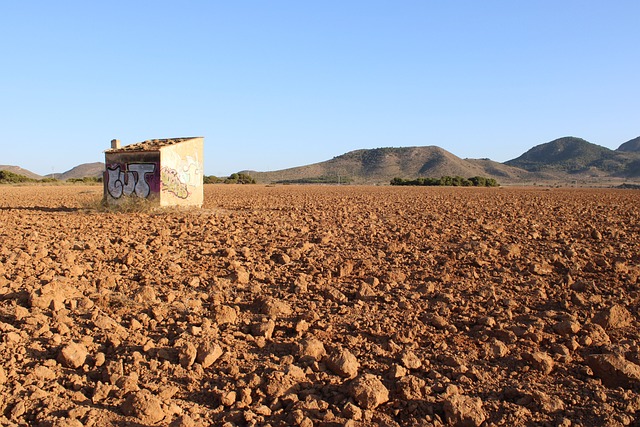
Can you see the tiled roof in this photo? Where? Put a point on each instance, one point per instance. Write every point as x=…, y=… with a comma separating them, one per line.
x=149, y=145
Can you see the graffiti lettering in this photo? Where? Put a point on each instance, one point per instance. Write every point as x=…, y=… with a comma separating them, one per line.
x=171, y=183
x=127, y=182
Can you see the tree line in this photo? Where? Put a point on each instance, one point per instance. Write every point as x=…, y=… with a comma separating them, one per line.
x=7, y=177
x=234, y=178
x=448, y=181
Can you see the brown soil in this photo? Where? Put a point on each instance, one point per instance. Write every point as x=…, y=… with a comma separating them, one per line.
x=321, y=306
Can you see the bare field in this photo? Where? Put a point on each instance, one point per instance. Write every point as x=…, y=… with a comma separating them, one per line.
x=321, y=306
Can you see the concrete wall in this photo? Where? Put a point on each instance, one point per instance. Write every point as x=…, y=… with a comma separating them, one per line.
x=134, y=174
x=181, y=173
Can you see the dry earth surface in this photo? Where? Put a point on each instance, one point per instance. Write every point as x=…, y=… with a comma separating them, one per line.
x=321, y=306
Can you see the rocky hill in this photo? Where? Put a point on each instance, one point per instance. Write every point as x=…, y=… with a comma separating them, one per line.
x=563, y=159
x=18, y=170
x=631, y=146
x=85, y=170
x=380, y=165
x=576, y=157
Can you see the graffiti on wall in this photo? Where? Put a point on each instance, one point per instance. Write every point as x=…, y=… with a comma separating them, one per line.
x=131, y=180
x=185, y=175
x=171, y=183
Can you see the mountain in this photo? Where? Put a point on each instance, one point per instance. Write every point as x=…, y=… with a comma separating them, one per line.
x=632, y=146
x=575, y=156
x=567, y=158
x=568, y=153
x=85, y=170
x=381, y=165
x=563, y=159
x=81, y=171
x=20, y=171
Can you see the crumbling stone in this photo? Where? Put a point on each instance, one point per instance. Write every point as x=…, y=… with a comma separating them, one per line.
x=143, y=405
x=312, y=348
x=614, y=370
x=541, y=361
x=369, y=392
x=614, y=317
x=342, y=362
x=464, y=411
x=73, y=355
x=208, y=353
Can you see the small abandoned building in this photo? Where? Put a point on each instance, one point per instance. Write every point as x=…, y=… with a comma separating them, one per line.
x=167, y=172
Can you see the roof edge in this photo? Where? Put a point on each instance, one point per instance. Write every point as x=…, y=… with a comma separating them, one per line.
x=152, y=145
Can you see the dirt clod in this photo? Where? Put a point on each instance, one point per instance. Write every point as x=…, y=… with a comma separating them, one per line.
x=369, y=392
x=342, y=362
x=614, y=317
x=614, y=370
x=73, y=355
x=144, y=406
x=464, y=411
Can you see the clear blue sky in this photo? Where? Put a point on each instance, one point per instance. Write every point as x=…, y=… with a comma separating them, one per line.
x=278, y=84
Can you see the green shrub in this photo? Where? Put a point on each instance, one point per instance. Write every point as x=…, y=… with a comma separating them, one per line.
x=7, y=177
x=211, y=179
x=240, y=178
x=480, y=181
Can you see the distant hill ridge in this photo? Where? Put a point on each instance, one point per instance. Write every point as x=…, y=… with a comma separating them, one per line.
x=381, y=165
x=566, y=153
x=18, y=170
x=631, y=146
x=85, y=170
x=566, y=158
x=574, y=156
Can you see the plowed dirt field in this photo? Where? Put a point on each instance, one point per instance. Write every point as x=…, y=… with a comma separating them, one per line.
x=321, y=306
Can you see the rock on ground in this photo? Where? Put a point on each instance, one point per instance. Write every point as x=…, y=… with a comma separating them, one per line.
x=368, y=391
x=73, y=355
x=144, y=406
x=342, y=362
x=614, y=317
x=312, y=348
x=464, y=411
x=614, y=370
